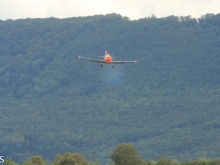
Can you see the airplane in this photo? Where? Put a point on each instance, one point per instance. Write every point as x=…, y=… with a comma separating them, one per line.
x=107, y=60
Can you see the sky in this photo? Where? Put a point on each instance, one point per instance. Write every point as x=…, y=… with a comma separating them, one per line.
x=134, y=9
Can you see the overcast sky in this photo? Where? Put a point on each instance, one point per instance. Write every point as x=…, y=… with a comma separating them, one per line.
x=134, y=9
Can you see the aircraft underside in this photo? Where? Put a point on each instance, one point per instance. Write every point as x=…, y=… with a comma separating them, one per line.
x=107, y=63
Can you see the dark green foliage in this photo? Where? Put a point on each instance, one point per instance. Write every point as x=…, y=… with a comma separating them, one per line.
x=201, y=161
x=125, y=154
x=71, y=159
x=35, y=160
x=167, y=104
x=9, y=161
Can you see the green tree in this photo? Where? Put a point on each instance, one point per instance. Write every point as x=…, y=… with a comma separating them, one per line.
x=149, y=162
x=38, y=160
x=35, y=160
x=9, y=162
x=125, y=154
x=166, y=161
x=70, y=159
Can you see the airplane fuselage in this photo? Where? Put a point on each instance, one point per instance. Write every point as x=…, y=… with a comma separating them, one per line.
x=108, y=59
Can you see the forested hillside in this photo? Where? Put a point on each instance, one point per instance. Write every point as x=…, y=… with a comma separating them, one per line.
x=167, y=104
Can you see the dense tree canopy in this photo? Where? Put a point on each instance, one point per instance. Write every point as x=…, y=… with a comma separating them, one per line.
x=35, y=160
x=72, y=159
x=125, y=154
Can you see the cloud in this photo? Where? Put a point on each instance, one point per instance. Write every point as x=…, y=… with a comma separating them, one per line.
x=13, y=9
x=195, y=8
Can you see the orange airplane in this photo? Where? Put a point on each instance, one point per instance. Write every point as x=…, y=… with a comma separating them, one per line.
x=107, y=60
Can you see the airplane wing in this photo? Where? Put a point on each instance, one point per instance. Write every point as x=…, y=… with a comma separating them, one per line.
x=102, y=61
x=122, y=62
x=93, y=60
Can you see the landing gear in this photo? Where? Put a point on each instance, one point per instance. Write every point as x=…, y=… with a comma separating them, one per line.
x=113, y=66
x=101, y=65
